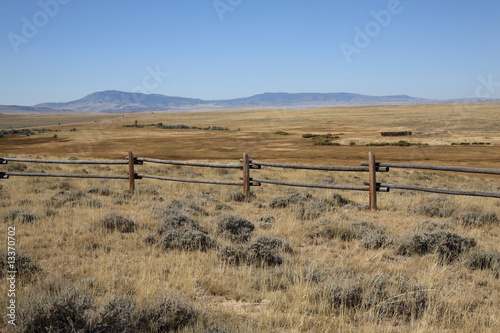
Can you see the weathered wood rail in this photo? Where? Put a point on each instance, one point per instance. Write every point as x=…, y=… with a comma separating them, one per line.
x=246, y=181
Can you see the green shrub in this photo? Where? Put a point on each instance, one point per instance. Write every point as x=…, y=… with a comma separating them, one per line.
x=281, y=133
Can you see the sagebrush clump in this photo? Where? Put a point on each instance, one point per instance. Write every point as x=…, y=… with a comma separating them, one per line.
x=447, y=245
x=19, y=215
x=114, y=221
x=235, y=228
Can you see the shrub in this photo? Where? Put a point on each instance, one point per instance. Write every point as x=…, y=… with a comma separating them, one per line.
x=349, y=296
x=189, y=207
x=149, y=239
x=483, y=260
x=267, y=218
x=221, y=206
x=374, y=241
x=279, y=202
x=114, y=221
x=409, y=305
x=433, y=211
x=477, y=218
x=235, y=228
x=215, y=329
x=447, y=245
x=66, y=312
x=23, y=264
x=17, y=167
x=260, y=254
x=273, y=243
x=102, y=190
x=63, y=197
x=117, y=316
x=281, y=133
x=256, y=254
x=340, y=201
x=19, y=215
x=336, y=232
x=164, y=315
x=431, y=226
x=175, y=220
x=88, y=202
x=237, y=197
x=282, y=202
x=233, y=255
x=190, y=240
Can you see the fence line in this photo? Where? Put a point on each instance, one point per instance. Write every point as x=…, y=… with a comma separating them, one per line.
x=246, y=165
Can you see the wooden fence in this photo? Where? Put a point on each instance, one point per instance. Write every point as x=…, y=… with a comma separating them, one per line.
x=246, y=165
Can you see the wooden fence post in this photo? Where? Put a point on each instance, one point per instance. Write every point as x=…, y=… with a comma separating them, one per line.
x=372, y=175
x=131, y=171
x=246, y=176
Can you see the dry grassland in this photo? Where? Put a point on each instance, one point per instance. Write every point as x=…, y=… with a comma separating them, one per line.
x=196, y=258
x=256, y=135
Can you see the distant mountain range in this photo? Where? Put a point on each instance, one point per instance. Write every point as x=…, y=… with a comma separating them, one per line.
x=112, y=101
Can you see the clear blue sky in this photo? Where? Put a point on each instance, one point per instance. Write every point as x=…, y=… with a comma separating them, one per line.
x=425, y=48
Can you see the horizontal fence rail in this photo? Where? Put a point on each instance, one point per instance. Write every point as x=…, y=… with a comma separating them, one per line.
x=436, y=190
x=317, y=167
x=246, y=166
x=437, y=167
x=26, y=160
x=331, y=187
x=6, y=175
x=195, y=164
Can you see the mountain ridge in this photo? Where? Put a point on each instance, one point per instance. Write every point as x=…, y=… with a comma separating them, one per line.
x=114, y=101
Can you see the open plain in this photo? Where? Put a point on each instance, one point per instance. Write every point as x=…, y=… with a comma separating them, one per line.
x=95, y=257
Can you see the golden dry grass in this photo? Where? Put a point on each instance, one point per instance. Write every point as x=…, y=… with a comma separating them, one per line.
x=256, y=135
x=244, y=298
x=105, y=265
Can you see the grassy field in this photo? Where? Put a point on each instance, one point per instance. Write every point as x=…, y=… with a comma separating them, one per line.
x=198, y=258
x=254, y=132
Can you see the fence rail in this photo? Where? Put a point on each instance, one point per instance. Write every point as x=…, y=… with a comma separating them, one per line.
x=437, y=167
x=195, y=164
x=4, y=160
x=246, y=181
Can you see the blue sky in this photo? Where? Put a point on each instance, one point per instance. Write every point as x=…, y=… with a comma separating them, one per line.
x=62, y=50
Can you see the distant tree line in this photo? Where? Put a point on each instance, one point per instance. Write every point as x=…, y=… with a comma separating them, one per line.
x=180, y=126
